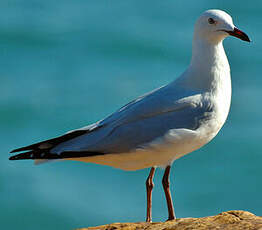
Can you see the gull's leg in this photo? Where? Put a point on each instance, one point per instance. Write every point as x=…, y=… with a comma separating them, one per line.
x=149, y=188
x=166, y=186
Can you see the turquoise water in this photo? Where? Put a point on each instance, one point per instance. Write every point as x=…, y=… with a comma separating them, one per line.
x=65, y=64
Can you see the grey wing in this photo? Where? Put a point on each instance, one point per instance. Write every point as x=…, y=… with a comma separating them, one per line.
x=129, y=136
x=135, y=124
x=136, y=128
x=80, y=139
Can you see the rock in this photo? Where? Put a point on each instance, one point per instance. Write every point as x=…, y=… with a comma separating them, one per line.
x=230, y=220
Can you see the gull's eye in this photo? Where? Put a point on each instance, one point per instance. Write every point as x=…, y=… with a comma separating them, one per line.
x=211, y=21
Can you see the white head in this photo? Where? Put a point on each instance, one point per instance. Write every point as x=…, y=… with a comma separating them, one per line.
x=215, y=25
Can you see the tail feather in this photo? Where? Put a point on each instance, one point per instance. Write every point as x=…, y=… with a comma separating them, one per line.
x=43, y=161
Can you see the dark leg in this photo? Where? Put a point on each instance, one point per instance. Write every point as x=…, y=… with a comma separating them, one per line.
x=149, y=188
x=166, y=186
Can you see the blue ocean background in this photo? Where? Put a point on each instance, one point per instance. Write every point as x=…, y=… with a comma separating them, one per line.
x=65, y=64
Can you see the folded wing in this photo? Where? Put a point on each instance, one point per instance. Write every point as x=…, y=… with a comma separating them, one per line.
x=135, y=124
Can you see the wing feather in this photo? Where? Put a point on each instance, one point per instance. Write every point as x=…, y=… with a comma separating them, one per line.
x=133, y=125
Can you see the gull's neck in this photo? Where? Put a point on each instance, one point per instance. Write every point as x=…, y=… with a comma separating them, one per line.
x=209, y=68
x=207, y=55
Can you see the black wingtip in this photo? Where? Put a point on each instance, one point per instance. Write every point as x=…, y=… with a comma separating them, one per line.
x=29, y=147
x=12, y=158
x=34, y=155
x=26, y=155
x=41, y=154
x=51, y=142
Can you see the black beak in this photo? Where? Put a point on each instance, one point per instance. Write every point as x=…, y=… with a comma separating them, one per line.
x=239, y=34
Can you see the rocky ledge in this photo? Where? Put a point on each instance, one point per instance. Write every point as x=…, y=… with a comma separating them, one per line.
x=230, y=220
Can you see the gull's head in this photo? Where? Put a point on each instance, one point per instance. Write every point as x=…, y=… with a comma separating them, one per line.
x=215, y=25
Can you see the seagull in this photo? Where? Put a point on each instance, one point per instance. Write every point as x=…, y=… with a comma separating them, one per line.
x=163, y=125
